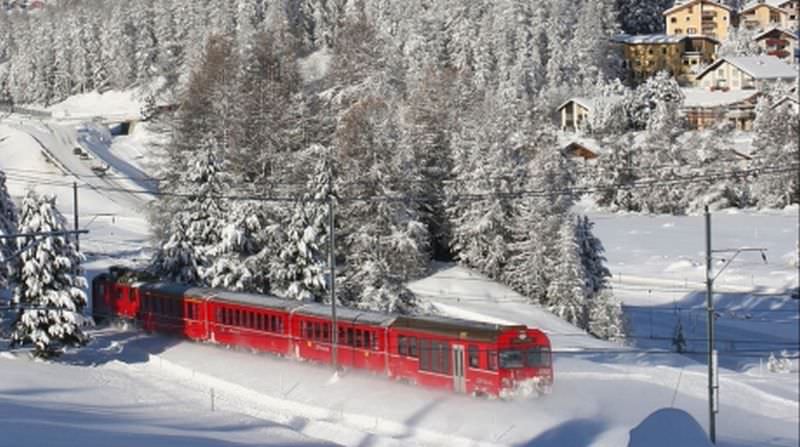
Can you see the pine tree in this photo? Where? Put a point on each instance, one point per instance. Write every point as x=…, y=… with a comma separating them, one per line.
x=775, y=146
x=193, y=235
x=606, y=318
x=49, y=283
x=566, y=294
x=591, y=255
x=299, y=270
x=8, y=225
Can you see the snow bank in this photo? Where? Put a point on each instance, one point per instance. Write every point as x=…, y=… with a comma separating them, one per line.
x=682, y=429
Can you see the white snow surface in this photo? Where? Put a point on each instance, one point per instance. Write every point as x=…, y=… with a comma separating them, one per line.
x=154, y=390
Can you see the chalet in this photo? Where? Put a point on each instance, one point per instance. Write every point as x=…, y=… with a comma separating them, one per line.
x=709, y=18
x=766, y=14
x=645, y=55
x=574, y=113
x=681, y=56
x=778, y=42
x=746, y=73
x=705, y=109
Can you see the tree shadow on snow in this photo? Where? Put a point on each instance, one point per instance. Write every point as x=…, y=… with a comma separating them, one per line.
x=572, y=433
x=127, y=347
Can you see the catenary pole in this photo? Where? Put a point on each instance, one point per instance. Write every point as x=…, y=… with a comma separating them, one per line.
x=710, y=332
x=332, y=266
x=75, y=211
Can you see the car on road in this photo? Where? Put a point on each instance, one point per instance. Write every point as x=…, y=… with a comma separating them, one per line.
x=100, y=169
x=77, y=150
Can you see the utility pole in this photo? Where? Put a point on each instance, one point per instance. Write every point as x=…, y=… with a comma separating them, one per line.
x=713, y=359
x=712, y=429
x=332, y=265
x=75, y=210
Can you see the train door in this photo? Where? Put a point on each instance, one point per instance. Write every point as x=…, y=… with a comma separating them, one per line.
x=459, y=381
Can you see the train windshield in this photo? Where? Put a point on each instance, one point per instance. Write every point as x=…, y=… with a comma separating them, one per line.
x=512, y=358
x=537, y=357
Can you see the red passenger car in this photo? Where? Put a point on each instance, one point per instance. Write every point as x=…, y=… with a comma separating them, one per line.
x=459, y=355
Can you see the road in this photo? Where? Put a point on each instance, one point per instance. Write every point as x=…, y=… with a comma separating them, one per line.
x=58, y=142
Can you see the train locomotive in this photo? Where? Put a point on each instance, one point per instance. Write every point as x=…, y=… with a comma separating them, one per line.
x=432, y=351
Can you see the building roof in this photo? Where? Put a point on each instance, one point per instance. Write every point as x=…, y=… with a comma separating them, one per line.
x=702, y=98
x=588, y=103
x=786, y=99
x=680, y=4
x=647, y=39
x=774, y=4
x=759, y=67
x=785, y=31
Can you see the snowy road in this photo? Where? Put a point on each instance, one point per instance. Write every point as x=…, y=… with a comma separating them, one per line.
x=59, y=143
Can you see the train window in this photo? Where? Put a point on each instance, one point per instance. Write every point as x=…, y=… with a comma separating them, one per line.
x=309, y=330
x=367, y=339
x=538, y=357
x=424, y=354
x=492, y=360
x=273, y=326
x=260, y=322
x=412, y=347
x=511, y=359
x=402, y=345
x=474, y=361
x=341, y=339
x=317, y=331
x=350, y=337
x=444, y=358
x=326, y=332
x=359, y=339
x=157, y=306
x=280, y=325
x=189, y=311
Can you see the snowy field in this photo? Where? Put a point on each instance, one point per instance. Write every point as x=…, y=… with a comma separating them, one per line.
x=153, y=390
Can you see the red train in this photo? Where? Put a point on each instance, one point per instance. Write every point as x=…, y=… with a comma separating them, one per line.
x=463, y=356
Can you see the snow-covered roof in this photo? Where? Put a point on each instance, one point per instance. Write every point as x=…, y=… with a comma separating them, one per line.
x=759, y=67
x=785, y=31
x=680, y=4
x=448, y=326
x=647, y=39
x=588, y=103
x=775, y=4
x=698, y=97
x=252, y=299
x=786, y=99
x=567, y=140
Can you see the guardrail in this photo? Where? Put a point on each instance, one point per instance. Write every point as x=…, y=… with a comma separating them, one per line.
x=6, y=108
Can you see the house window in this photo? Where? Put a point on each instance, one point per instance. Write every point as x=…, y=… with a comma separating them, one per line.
x=688, y=18
x=673, y=20
x=678, y=31
x=692, y=30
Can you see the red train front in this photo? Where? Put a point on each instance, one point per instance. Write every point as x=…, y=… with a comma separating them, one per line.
x=462, y=356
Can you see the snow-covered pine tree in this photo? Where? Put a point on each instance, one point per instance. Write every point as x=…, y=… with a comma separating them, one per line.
x=606, y=319
x=566, y=293
x=299, y=269
x=740, y=42
x=591, y=255
x=642, y=16
x=536, y=220
x=199, y=210
x=8, y=225
x=49, y=282
x=775, y=146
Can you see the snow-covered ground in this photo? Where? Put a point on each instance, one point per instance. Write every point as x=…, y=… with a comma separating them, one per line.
x=161, y=387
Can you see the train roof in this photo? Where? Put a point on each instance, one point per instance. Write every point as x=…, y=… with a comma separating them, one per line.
x=173, y=288
x=454, y=327
x=346, y=314
x=252, y=299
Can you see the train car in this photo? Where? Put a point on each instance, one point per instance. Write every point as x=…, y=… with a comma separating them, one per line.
x=258, y=322
x=446, y=353
x=361, y=336
x=468, y=356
